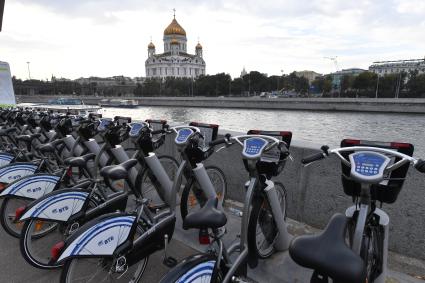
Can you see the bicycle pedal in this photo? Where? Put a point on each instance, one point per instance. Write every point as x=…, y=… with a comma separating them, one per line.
x=170, y=262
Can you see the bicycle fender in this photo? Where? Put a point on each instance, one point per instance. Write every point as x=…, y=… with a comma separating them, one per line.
x=100, y=239
x=191, y=268
x=32, y=187
x=15, y=171
x=58, y=205
x=5, y=158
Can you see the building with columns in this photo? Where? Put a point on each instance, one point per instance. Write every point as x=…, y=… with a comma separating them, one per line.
x=175, y=61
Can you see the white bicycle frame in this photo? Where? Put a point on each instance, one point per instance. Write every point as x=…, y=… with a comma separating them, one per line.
x=363, y=208
x=283, y=238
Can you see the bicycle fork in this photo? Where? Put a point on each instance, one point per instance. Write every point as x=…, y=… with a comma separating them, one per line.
x=283, y=238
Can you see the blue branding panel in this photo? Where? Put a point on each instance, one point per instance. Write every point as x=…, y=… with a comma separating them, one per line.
x=135, y=129
x=254, y=146
x=183, y=135
x=103, y=124
x=368, y=164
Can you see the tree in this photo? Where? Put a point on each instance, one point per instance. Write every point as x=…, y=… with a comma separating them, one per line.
x=365, y=81
x=416, y=85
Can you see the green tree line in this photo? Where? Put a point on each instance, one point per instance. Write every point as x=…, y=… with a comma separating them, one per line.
x=366, y=84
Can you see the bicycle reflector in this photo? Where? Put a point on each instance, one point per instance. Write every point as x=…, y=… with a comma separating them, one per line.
x=204, y=238
x=69, y=172
x=19, y=211
x=57, y=249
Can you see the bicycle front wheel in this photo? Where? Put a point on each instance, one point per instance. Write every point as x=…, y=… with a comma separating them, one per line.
x=193, y=198
x=262, y=229
x=372, y=250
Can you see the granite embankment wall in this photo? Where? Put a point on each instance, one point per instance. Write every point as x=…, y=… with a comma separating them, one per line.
x=319, y=104
x=315, y=193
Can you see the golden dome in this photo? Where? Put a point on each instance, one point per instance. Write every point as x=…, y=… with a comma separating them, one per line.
x=174, y=29
x=151, y=45
x=174, y=41
x=198, y=46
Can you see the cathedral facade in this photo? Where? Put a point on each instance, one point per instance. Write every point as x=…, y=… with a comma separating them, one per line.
x=175, y=61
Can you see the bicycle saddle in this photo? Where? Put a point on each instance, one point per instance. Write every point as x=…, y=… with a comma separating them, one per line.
x=328, y=254
x=117, y=172
x=6, y=132
x=207, y=217
x=79, y=161
x=50, y=146
x=27, y=138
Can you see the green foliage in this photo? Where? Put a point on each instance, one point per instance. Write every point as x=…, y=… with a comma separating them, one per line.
x=416, y=85
x=323, y=84
x=365, y=81
x=362, y=85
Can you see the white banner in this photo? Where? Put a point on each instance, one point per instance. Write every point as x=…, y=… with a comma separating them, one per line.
x=7, y=95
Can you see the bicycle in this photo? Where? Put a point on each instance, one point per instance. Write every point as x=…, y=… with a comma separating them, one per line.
x=372, y=172
x=216, y=265
x=123, y=251
x=69, y=209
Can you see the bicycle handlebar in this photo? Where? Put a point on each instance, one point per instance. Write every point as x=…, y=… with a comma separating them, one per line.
x=417, y=163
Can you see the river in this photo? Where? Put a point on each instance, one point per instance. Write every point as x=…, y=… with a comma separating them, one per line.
x=311, y=126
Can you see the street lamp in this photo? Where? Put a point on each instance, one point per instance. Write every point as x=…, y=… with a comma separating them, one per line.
x=377, y=86
x=29, y=73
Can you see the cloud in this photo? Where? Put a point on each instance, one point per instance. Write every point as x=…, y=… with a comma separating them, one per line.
x=108, y=37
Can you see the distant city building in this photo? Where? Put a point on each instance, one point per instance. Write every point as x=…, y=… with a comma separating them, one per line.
x=337, y=76
x=175, y=61
x=244, y=72
x=395, y=67
x=110, y=81
x=309, y=75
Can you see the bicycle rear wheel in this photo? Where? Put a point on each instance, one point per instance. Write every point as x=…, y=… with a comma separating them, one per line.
x=39, y=236
x=102, y=269
x=262, y=229
x=8, y=214
x=193, y=197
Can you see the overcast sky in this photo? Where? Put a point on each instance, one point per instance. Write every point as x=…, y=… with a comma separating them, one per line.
x=75, y=38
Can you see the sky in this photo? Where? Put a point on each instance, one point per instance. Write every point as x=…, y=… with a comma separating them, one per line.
x=82, y=38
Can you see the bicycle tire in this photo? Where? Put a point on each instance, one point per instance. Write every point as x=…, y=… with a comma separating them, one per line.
x=372, y=251
x=26, y=238
x=7, y=215
x=261, y=218
x=189, y=202
x=146, y=185
x=72, y=263
x=197, y=268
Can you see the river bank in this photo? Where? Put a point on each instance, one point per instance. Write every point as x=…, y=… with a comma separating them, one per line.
x=384, y=105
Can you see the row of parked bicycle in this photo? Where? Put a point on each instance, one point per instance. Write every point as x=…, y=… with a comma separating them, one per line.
x=96, y=197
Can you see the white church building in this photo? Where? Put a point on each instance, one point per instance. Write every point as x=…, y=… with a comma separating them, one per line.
x=175, y=61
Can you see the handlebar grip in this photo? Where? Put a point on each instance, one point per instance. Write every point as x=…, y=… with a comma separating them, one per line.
x=420, y=166
x=312, y=158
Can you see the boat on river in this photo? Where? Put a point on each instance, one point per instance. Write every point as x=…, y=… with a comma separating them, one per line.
x=122, y=103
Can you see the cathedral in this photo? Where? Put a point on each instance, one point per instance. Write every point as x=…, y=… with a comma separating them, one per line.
x=175, y=61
